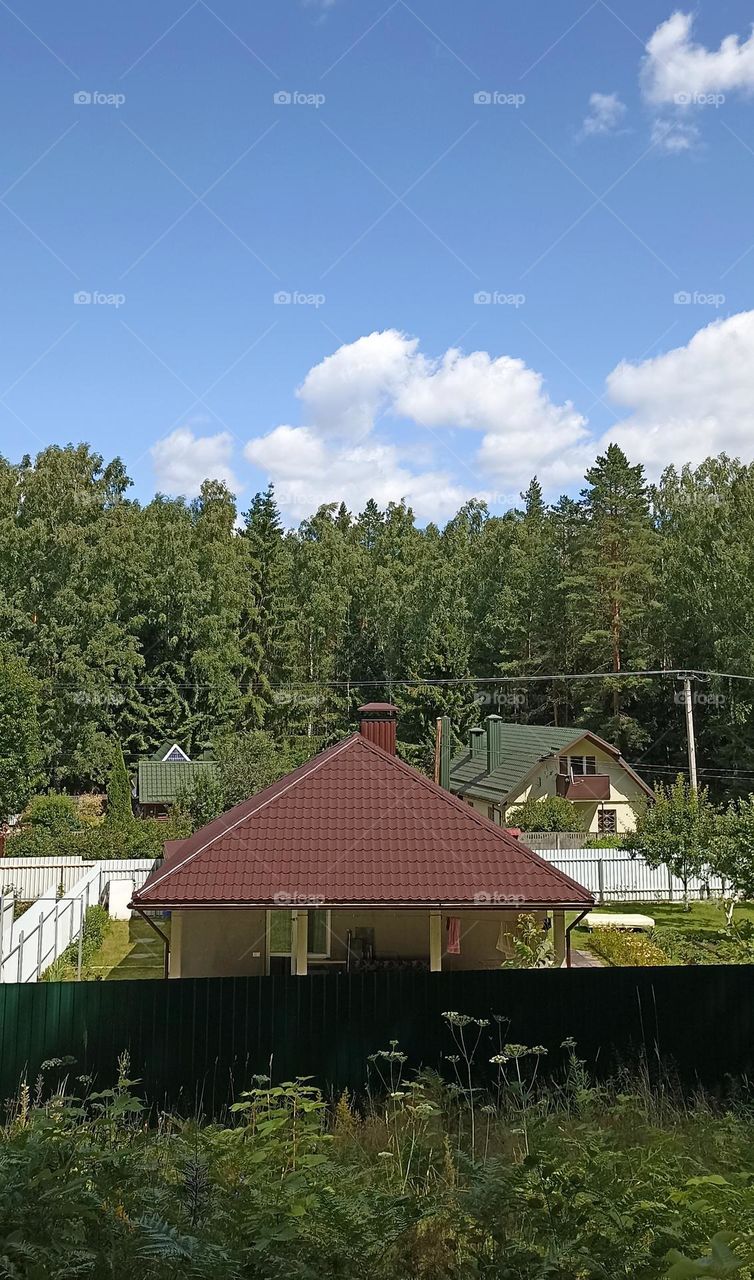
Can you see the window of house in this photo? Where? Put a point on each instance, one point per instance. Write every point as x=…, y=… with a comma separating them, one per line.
x=579, y=766
x=280, y=926
x=607, y=821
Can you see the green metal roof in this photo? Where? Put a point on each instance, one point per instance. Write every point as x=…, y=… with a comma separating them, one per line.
x=523, y=745
x=161, y=783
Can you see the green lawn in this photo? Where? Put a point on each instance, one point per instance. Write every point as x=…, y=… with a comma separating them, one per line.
x=130, y=950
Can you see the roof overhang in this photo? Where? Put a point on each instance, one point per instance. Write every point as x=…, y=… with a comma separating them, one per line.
x=138, y=904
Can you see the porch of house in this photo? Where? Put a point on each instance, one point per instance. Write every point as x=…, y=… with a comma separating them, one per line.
x=306, y=940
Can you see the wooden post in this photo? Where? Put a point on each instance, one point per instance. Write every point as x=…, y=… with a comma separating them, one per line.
x=435, y=941
x=300, y=943
x=601, y=880
x=558, y=937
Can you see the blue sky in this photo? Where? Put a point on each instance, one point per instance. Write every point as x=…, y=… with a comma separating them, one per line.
x=602, y=199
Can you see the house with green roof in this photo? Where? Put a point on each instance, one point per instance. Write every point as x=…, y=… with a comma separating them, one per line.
x=167, y=773
x=505, y=764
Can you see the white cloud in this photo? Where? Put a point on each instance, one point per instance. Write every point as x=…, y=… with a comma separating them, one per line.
x=344, y=394
x=309, y=470
x=182, y=461
x=691, y=402
x=606, y=114
x=677, y=71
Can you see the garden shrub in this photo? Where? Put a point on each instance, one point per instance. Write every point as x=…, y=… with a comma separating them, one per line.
x=619, y=947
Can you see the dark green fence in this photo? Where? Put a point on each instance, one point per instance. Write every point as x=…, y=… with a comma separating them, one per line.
x=197, y=1041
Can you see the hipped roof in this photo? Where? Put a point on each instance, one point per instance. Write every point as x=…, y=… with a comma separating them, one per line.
x=355, y=826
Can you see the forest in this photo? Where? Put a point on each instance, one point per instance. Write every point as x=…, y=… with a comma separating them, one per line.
x=190, y=620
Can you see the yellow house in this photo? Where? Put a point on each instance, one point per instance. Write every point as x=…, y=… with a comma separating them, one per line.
x=505, y=764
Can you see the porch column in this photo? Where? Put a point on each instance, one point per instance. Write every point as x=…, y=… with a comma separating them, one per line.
x=558, y=937
x=435, y=941
x=300, y=943
x=176, y=938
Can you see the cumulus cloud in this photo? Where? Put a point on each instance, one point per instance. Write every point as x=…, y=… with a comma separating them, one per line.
x=182, y=461
x=606, y=114
x=674, y=135
x=344, y=394
x=309, y=470
x=691, y=402
x=680, y=72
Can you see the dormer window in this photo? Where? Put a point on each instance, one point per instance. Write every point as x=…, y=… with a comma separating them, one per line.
x=175, y=756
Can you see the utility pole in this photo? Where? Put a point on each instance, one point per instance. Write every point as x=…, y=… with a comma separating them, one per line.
x=690, y=740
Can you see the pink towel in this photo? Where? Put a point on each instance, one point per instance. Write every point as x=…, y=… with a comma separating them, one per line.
x=454, y=936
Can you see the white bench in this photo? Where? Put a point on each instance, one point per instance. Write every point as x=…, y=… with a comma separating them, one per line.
x=631, y=922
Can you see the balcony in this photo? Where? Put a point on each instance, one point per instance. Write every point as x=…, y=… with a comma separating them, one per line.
x=589, y=787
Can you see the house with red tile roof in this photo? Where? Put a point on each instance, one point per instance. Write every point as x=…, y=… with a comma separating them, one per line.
x=353, y=860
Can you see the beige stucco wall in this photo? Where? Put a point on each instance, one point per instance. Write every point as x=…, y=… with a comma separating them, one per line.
x=217, y=944
x=625, y=793
x=232, y=943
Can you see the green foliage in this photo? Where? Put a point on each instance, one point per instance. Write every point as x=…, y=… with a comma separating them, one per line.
x=141, y=838
x=424, y=1180
x=532, y=945
x=552, y=813
x=246, y=764
x=20, y=735
x=119, y=808
x=54, y=813
x=620, y=947
x=677, y=830
x=138, y=622
x=65, y=968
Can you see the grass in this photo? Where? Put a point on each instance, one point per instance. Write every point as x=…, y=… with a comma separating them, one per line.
x=131, y=949
x=702, y=923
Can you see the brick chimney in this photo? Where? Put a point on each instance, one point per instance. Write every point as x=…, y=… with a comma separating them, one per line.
x=378, y=724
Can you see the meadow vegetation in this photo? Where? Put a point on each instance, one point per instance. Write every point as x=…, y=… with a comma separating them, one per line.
x=422, y=1178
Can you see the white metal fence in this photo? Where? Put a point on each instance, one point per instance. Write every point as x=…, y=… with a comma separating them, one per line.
x=29, y=878
x=613, y=876
x=42, y=933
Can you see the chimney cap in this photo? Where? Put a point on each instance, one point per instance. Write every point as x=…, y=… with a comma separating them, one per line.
x=381, y=708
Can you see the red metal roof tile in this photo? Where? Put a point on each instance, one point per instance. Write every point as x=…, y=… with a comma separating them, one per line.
x=355, y=825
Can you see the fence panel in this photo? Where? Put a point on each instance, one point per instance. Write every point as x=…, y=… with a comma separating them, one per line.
x=615, y=876
x=44, y=931
x=29, y=877
x=195, y=1042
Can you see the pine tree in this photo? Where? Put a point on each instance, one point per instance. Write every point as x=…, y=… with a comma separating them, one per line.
x=615, y=579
